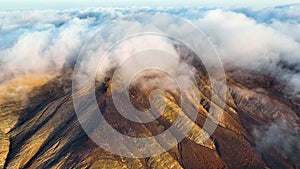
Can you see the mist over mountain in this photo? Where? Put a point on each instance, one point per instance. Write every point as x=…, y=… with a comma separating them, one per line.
x=260, y=53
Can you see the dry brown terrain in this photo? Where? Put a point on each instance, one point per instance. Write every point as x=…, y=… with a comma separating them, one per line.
x=259, y=127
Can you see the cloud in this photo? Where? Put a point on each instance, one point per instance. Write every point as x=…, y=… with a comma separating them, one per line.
x=288, y=28
x=242, y=41
x=36, y=50
x=248, y=38
x=285, y=13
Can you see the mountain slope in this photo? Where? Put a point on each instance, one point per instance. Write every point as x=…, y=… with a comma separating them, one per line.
x=259, y=128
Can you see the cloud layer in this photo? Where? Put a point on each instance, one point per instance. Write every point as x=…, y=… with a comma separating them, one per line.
x=254, y=39
x=43, y=40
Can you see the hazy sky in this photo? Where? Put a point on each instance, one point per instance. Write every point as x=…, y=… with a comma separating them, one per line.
x=37, y=4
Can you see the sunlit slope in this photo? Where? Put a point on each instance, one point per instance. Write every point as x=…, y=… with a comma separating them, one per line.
x=40, y=128
x=14, y=96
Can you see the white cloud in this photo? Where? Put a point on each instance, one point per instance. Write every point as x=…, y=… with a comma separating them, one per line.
x=254, y=39
x=289, y=29
x=38, y=51
x=242, y=42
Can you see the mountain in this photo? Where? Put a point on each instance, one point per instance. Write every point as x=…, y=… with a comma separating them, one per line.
x=259, y=126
